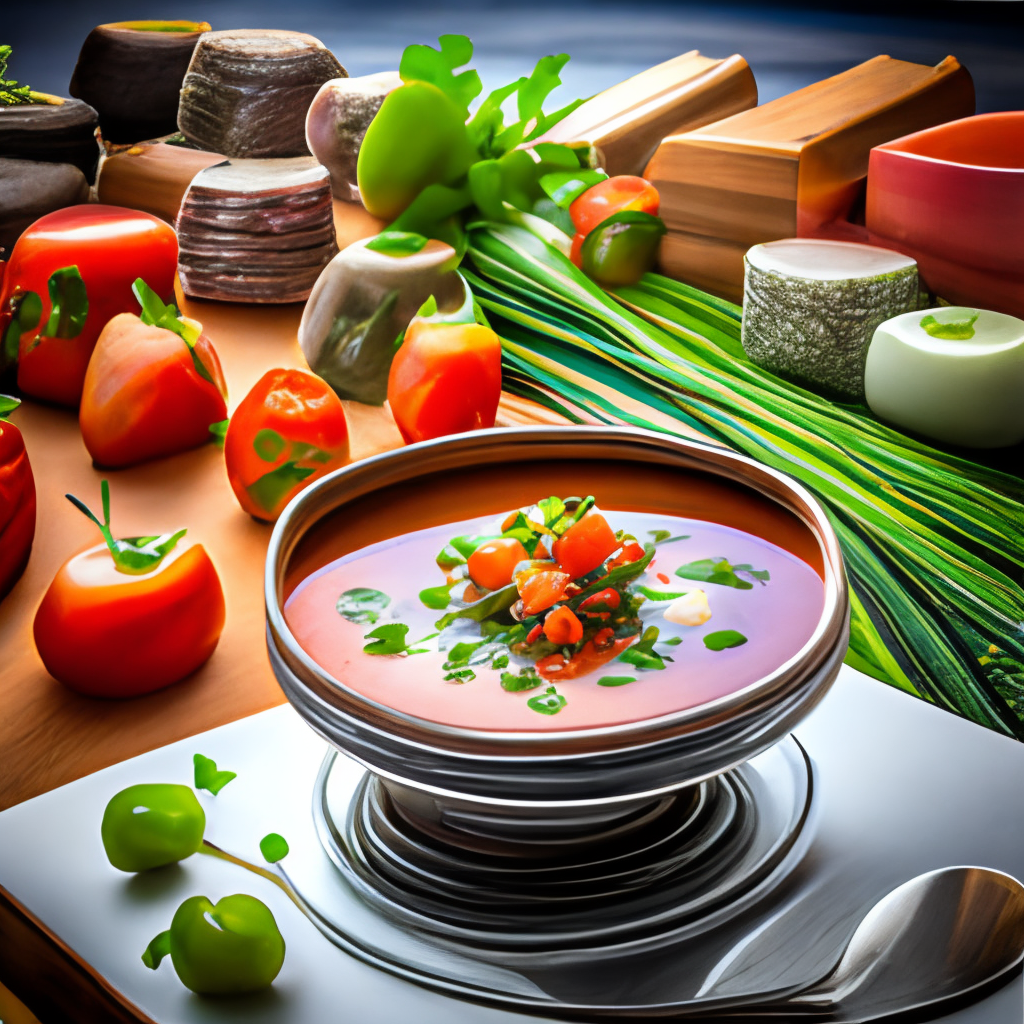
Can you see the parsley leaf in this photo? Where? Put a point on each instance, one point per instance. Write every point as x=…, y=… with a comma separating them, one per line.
x=361, y=604
x=525, y=679
x=642, y=654
x=723, y=639
x=550, y=702
x=208, y=777
x=720, y=570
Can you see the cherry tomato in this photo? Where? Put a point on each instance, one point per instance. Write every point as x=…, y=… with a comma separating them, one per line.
x=103, y=249
x=492, y=564
x=287, y=432
x=445, y=379
x=144, y=397
x=585, y=545
x=17, y=500
x=613, y=195
x=541, y=590
x=562, y=627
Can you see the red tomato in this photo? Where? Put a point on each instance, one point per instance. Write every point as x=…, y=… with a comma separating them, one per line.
x=576, y=249
x=111, y=247
x=585, y=545
x=541, y=590
x=601, y=604
x=445, y=379
x=17, y=501
x=562, y=627
x=105, y=633
x=631, y=552
x=287, y=432
x=492, y=564
x=592, y=655
x=143, y=397
x=613, y=195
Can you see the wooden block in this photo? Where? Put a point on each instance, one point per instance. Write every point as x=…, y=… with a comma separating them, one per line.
x=711, y=264
x=795, y=166
x=628, y=121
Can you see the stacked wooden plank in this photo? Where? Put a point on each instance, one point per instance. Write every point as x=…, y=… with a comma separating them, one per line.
x=792, y=167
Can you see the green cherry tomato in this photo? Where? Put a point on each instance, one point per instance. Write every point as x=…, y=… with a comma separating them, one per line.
x=227, y=948
x=621, y=249
x=147, y=826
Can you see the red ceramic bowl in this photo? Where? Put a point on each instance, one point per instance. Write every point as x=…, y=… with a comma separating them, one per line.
x=952, y=197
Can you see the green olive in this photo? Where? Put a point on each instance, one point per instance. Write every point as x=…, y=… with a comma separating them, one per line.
x=147, y=826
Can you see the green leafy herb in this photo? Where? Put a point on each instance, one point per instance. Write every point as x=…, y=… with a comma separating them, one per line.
x=618, y=577
x=362, y=605
x=565, y=186
x=660, y=595
x=26, y=311
x=496, y=601
x=436, y=597
x=273, y=847
x=524, y=679
x=271, y=489
x=672, y=641
x=397, y=243
x=615, y=680
x=157, y=314
x=69, y=304
x=949, y=330
x=134, y=556
x=219, y=430
x=208, y=777
x=268, y=444
x=724, y=638
x=665, y=536
x=12, y=94
x=157, y=950
x=642, y=654
x=7, y=405
x=722, y=571
x=390, y=639
x=460, y=675
x=425, y=64
x=550, y=702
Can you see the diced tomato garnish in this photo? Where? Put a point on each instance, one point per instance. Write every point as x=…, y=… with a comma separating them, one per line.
x=535, y=634
x=542, y=589
x=585, y=545
x=592, y=655
x=632, y=552
x=562, y=627
x=492, y=564
x=663, y=578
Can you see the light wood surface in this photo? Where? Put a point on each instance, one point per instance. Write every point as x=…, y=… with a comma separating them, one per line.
x=50, y=735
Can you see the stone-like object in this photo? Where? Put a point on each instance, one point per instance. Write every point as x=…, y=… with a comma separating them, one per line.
x=256, y=230
x=954, y=374
x=29, y=189
x=131, y=72
x=810, y=307
x=247, y=91
x=337, y=121
x=60, y=131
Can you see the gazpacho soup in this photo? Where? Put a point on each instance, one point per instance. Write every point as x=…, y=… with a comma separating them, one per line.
x=559, y=615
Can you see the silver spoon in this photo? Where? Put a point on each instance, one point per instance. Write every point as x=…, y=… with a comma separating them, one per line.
x=938, y=937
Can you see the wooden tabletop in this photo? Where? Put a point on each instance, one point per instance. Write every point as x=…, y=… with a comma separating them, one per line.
x=50, y=735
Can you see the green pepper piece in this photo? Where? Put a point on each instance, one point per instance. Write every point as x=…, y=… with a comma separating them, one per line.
x=149, y=825
x=418, y=138
x=621, y=249
x=227, y=948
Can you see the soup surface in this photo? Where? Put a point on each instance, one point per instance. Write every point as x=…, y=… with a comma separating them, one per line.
x=707, y=611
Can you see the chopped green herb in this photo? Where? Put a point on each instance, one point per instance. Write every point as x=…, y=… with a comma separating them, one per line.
x=550, y=702
x=665, y=536
x=273, y=847
x=155, y=313
x=722, y=571
x=525, y=679
x=361, y=604
x=436, y=597
x=496, y=601
x=615, y=680
x=660, y=595
x=672, y=641
x=208, y=777
x=949, y=330
x=460, y=675
x=642, y=654
x=390, y=639
x=724, y=638
x=620, y=575
x=12, y=94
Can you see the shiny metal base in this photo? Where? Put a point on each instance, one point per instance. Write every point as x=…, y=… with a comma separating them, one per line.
x=617, y=918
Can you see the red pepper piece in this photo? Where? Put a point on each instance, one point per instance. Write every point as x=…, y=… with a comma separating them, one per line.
x=601, y=604
x=543, y=589
x=631, y=552
x=562, y=627
x=17, y=501
x=592, y=655
x=535, y=634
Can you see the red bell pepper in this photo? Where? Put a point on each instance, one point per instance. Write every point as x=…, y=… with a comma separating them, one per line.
x=153, y=387
x=69, y=274
x=17, y=500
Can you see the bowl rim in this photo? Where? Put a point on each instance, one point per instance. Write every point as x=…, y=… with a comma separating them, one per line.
x=428, y=735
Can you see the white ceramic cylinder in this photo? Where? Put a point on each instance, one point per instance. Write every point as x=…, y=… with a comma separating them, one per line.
x=954, y=374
